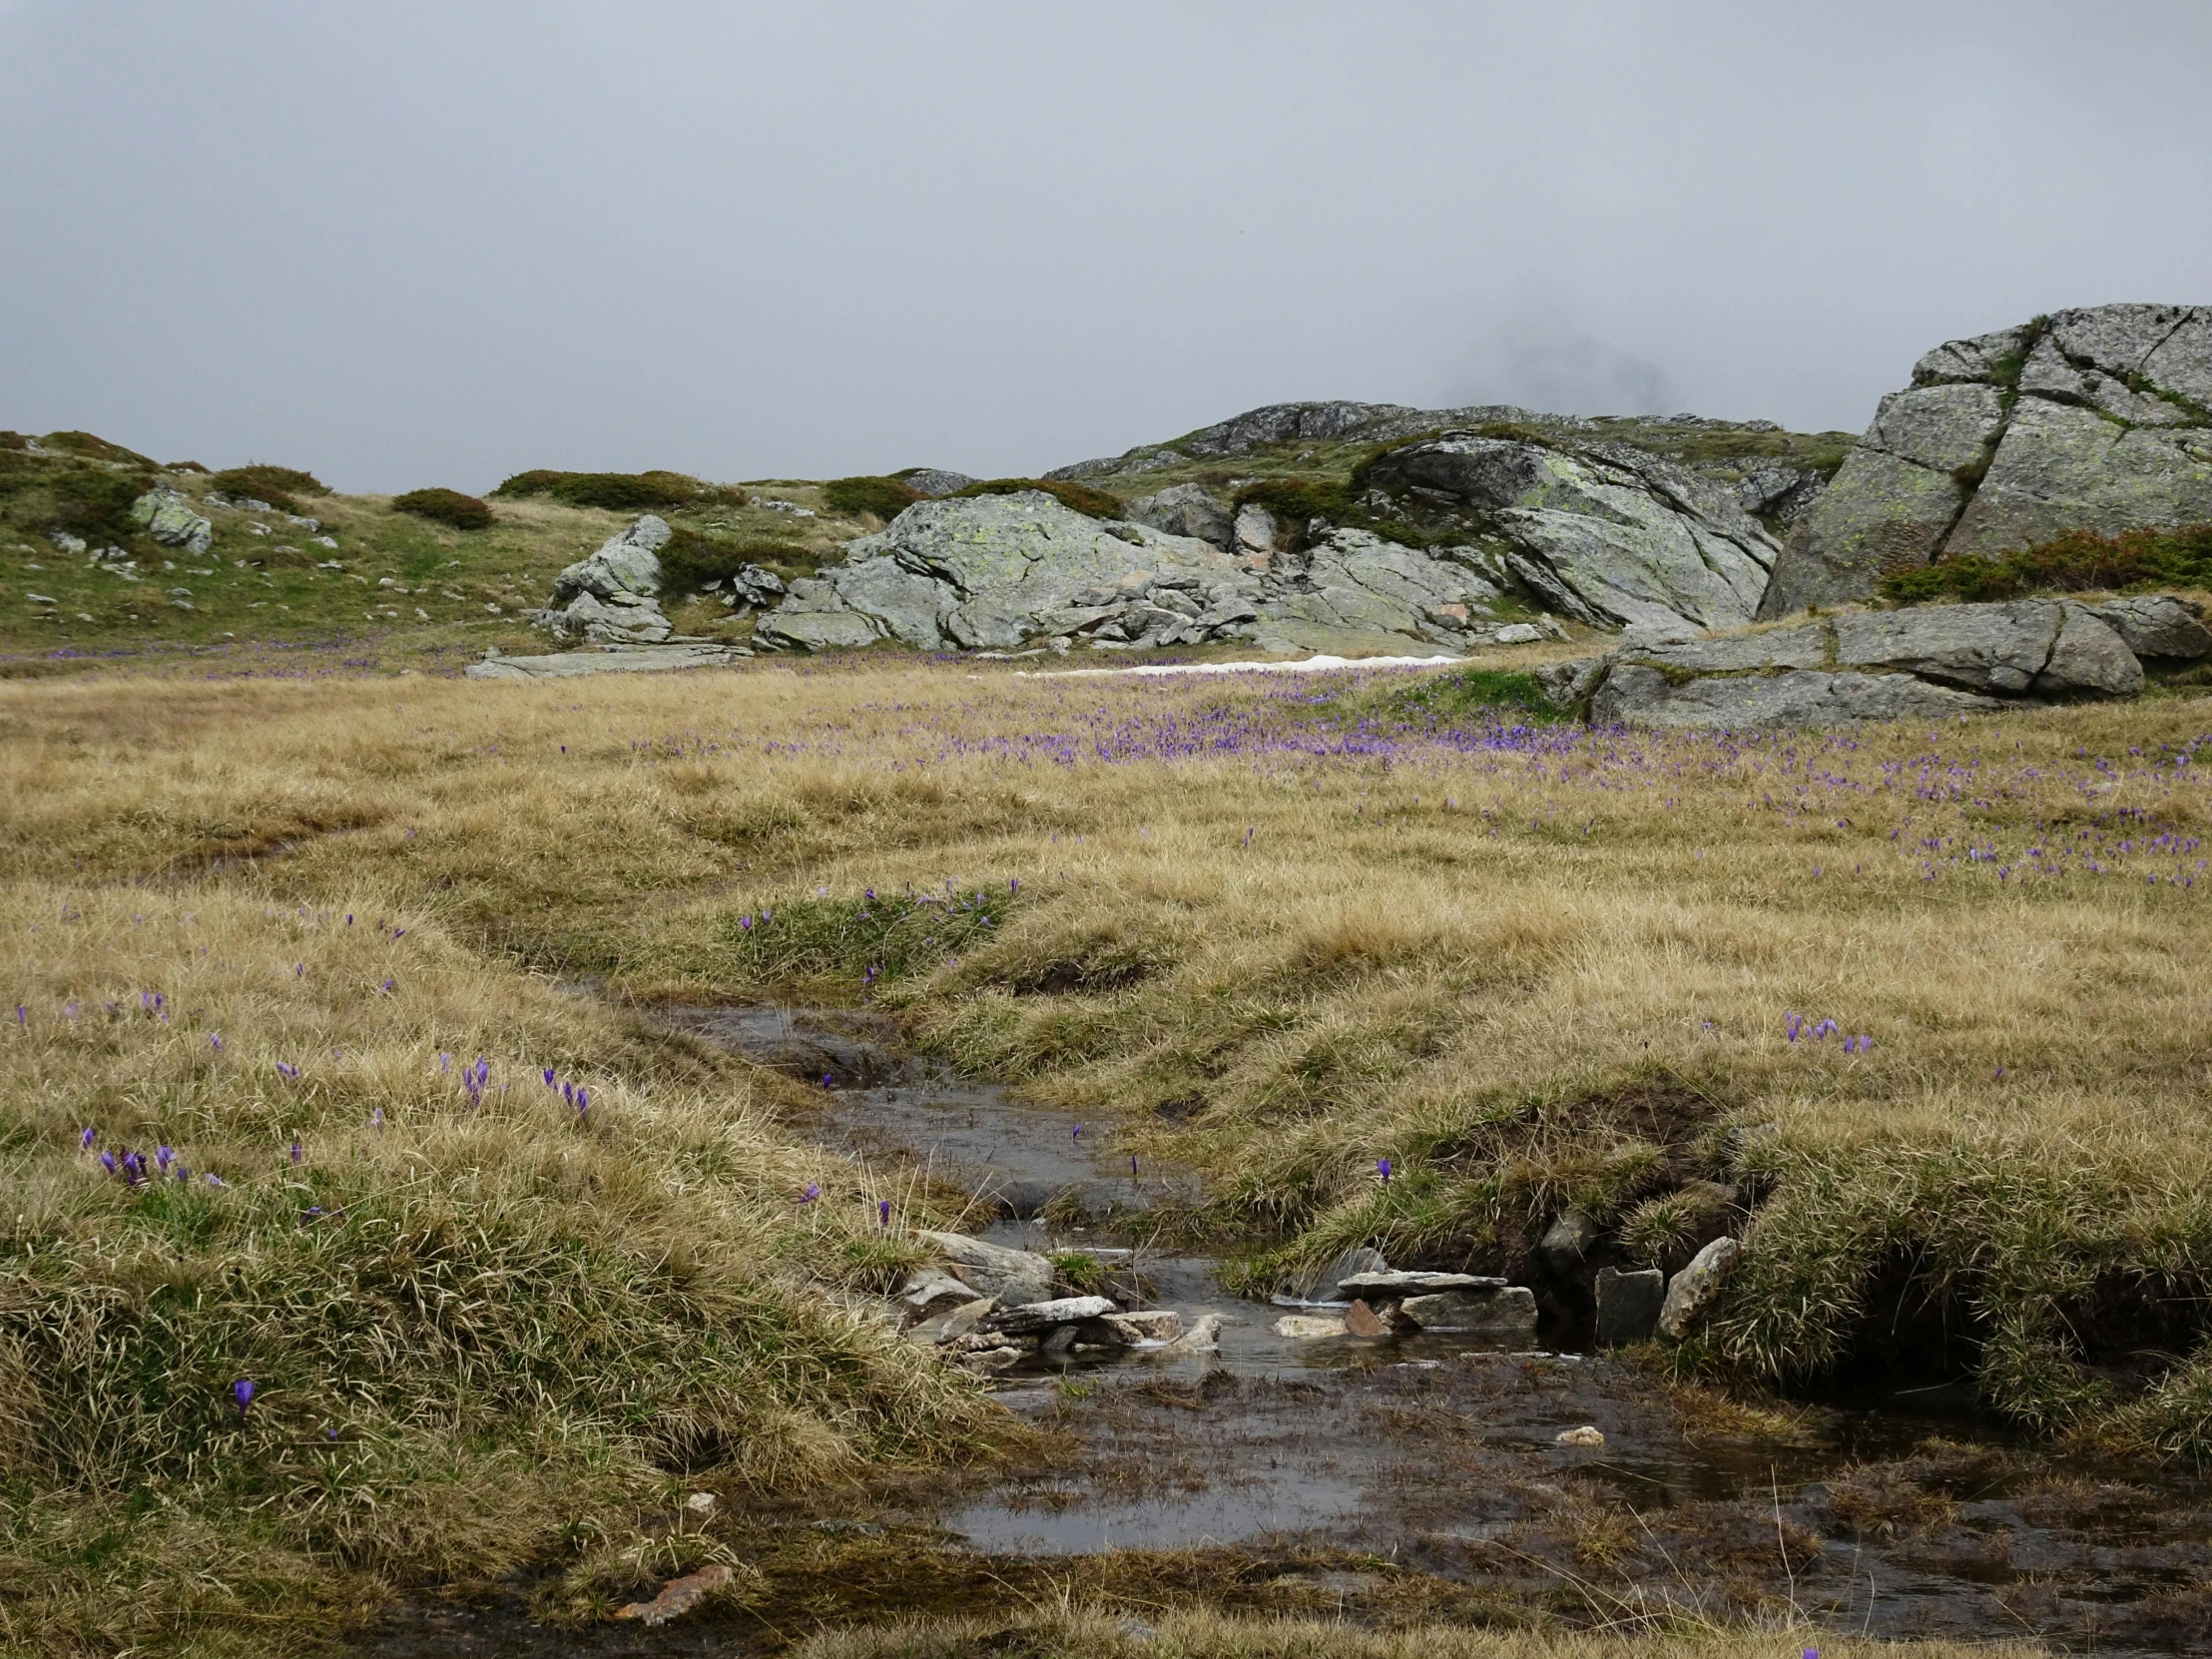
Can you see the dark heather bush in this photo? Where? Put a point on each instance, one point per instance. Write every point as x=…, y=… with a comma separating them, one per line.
x=2075, y=562
x=464, y=512
x=94, y=503
x=94, y=448
x=1075, y=497
x=690, y=560
x=277, y=485
x=886, y=498
x=622, y=492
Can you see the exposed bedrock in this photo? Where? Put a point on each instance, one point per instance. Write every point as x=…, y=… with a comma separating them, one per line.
x=2098, y=419
x=1884, y=665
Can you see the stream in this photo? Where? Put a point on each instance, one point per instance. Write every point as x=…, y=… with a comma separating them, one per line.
x=1440, y=1454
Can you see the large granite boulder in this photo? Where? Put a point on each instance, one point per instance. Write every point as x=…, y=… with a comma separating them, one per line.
x=168, y=517
x=1610, y=535
x=1187, y=510
x=993, y=572
x=2098, y=419
x=1353, y=581
x=613, y=597
x=1932, y=660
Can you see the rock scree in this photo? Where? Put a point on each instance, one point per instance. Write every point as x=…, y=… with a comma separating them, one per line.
x=2098, y=418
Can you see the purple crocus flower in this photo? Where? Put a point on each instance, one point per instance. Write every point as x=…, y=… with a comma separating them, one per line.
x=583, y=1105
x=216, y=1180
x=376, y=1119
x=69, y=1010
x=299, y=970
x=163, y=1157
x=1076, y=1133
x=296, y=1154
x=548, y=1074
x=883, y=1211
x=84, y=1140
x=387, y=987
x=242, y=1391
x=812, y=1192
x=284, y=1068
x=22, y=1015
x=214, y=1040
x=1132, y=1166
x=106, y=1162
x=1383, y=1168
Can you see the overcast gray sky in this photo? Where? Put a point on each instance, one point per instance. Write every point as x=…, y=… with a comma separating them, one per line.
x=433, y=244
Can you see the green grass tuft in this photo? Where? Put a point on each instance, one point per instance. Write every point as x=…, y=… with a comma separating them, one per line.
x=1478, y=691
x=1079, y=498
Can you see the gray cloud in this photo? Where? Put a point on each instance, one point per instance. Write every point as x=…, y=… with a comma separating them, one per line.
x=415, y=243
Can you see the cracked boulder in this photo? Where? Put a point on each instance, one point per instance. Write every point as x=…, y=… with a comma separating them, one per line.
x=2098, y=419
x=168, y=518
x=1607, y=535
x=993, y=572
x=1929, y=660
x=613, y=597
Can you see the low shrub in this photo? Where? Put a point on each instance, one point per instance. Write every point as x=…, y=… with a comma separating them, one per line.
x=1079, y=498
x=622, y=492
x=94, y=448
x=94, y=503
x=1297, y=501
x=2078, y=561
x=886, y=498
x=464, y=512
x=690, y=560
x=277, y=485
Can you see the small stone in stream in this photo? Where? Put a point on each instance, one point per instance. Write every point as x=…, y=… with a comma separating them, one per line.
x=678, y=1596
x=1152, y=1324
x=1365, y=1284
x=1060, y=1346
x=1588, y=1434
x=1325, y=1285
x=1566, y=1242
x=1308, y=1327
x=1691, y=1290
x=992, y=1361
x=976, y=1342
x=1628, y=1305
x=1043, y=1315
x=1013, y=1275
x=1507, y=1313
x=1363, y=1320
x=1202, y=1338
x=965, y=1319
x=927, y=1288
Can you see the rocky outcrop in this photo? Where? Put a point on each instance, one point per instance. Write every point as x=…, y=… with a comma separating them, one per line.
x=1189, y=510
x=168, y=517
x=613, y=597
x=993, y=572
x=1884, y=665
x=2093, y=419
x=1601, y=532
x=935, y=480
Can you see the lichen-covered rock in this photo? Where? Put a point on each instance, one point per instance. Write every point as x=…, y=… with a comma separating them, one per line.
x=613, y=597
x=1932, y=660
x=168, y=517
x=935, y=480
x=1187, y=510
x=994, y=571
x=1016, y=1277
x=1353, y=579
x=1636, y=695
x=1610, y=535
x=2158, y=625
x=2098, y=419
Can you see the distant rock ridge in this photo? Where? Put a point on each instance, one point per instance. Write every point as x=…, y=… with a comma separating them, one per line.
x=2097, y=418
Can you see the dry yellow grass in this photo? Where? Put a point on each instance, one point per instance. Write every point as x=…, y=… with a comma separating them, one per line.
x=1530, y=970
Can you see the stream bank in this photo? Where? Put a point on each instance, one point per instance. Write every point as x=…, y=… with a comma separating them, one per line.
x=1442, y=1475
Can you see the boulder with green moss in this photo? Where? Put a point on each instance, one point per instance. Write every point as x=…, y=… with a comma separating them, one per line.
x=2098, y=419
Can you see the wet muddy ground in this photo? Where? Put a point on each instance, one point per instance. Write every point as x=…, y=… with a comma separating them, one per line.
x=1404, y=1477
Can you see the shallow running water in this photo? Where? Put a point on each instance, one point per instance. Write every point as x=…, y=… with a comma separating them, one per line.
x=1441, y=1454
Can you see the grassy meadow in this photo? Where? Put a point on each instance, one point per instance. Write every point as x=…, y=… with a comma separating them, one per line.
x=1278, y=928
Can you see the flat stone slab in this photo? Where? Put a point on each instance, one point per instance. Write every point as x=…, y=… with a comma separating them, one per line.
x=1043, y=1315
x=1368, y=1285
x=643, y=659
